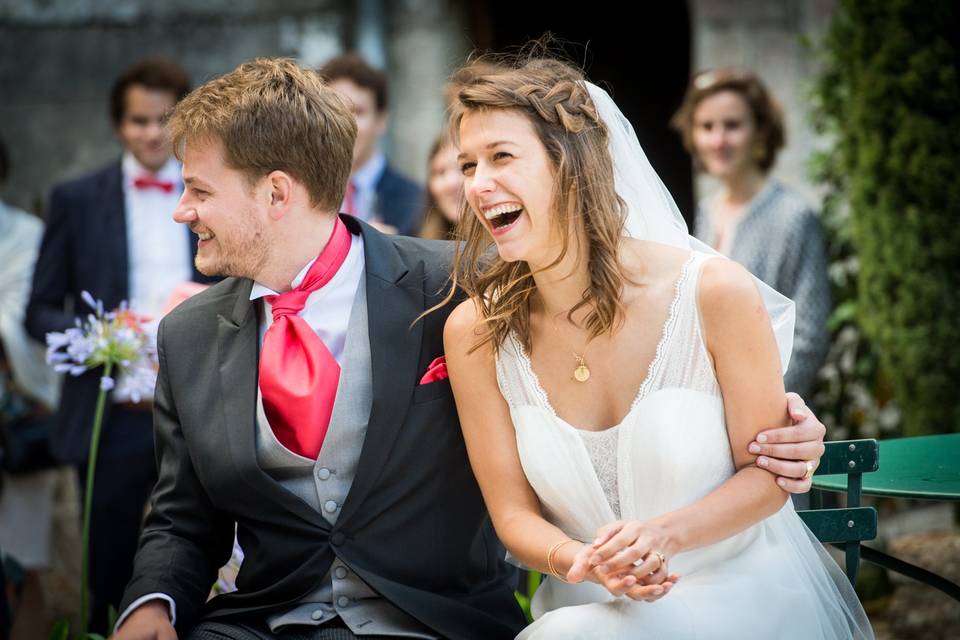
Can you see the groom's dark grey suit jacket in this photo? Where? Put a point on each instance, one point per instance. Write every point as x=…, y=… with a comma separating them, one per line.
x=413, y=525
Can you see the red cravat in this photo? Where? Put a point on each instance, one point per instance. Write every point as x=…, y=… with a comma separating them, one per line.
x=349, y=201
x=298, y=375
x=149, y=182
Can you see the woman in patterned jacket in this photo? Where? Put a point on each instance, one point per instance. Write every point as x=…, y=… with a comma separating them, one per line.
x=733, y=128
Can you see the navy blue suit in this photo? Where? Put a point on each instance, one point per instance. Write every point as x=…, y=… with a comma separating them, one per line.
x=399, y=202
x=84, y=248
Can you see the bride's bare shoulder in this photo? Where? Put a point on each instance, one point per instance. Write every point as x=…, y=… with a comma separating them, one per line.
x=463, y=320
x=652, y=261
x=463, y=327
x=727, y=292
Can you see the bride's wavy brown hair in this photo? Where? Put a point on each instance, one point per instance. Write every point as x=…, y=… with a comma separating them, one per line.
x=552, y=94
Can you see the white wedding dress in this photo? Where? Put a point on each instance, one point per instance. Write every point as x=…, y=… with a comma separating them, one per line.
x=773, y=580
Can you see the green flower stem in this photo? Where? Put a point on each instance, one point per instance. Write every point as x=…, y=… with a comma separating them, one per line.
x=88, y=504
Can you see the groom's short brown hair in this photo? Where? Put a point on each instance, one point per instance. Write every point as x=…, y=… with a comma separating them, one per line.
x=271, y=114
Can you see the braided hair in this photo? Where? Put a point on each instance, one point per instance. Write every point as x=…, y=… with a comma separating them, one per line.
x=552, y=94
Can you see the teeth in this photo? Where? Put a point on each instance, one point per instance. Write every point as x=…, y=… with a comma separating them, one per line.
x=205, y=236
x=490, y=214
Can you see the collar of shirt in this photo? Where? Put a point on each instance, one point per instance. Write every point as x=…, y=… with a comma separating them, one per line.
x=327, y=310
x=365, y=178
x=132, y=169
x=261, y=290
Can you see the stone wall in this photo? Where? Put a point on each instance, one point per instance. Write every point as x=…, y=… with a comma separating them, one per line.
x=58, y=59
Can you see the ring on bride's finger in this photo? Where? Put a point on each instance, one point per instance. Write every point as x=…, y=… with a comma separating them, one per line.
x=661, y=557
x=810, y=470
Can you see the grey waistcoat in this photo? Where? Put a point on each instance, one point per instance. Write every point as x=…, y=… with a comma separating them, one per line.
x=324, y=483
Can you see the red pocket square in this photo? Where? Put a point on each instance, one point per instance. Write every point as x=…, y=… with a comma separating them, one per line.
x=436, y=371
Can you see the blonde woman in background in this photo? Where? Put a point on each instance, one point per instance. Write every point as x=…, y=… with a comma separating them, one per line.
x=734, y=129
x=444, y=191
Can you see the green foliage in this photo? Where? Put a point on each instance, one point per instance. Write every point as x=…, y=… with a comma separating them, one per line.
x=889, y=95
x=60, y=631
x=853, y=397
x=533, y=581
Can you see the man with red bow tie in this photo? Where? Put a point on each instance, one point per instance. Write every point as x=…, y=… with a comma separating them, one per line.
x=110, y=233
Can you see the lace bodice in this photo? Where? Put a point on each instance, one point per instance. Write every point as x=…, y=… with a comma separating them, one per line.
x=681, y=361
x=602, y=448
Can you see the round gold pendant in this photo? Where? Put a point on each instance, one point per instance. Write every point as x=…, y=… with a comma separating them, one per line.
x=581, y=373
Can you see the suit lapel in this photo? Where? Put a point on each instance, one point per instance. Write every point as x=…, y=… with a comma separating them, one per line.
x=114, y=227
x=238, y=356
x=394, y=300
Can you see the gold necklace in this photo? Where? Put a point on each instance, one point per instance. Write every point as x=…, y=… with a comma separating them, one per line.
x=582, y=372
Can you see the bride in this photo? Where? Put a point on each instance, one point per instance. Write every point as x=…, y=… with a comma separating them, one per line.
x=609, y=373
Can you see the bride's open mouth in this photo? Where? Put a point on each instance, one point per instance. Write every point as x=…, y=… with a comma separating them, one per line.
x=503, y=216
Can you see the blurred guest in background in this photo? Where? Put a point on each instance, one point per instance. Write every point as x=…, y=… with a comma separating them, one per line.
x=444, y=192
x=733, y=128
x=376, y=193
x=112, y=233
x=28, y=393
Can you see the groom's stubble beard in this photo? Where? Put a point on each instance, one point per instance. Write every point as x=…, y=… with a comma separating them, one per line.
x=242, y=252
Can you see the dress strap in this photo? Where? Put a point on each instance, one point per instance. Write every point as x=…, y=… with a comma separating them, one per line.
x=682, y=359
x=516, y=378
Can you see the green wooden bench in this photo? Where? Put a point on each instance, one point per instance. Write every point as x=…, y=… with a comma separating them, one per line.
x=845, y=528
x=916, y=468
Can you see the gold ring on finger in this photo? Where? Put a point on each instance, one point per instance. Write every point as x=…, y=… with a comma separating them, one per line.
x=810, y=469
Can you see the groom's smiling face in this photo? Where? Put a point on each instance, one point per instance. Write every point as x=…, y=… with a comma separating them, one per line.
x=227, y=211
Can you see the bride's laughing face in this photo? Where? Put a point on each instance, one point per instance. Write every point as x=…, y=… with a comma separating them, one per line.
x=508, y=181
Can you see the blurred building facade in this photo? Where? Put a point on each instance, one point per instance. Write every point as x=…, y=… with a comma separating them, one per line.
x=773, y=38
x=59, y=57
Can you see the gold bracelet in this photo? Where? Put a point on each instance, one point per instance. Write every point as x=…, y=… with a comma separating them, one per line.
x=550, y=566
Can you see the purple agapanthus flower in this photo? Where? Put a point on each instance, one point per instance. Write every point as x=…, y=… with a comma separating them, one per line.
x=117, y=337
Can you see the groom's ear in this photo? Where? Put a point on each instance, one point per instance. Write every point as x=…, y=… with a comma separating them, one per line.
x=281, y=188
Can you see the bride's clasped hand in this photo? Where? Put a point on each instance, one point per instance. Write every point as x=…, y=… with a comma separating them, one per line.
x=628, y=559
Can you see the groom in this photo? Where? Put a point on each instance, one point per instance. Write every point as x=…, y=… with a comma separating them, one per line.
x=303, y=402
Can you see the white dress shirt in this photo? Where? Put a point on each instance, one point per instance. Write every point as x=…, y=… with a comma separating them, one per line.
x=158, y=254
